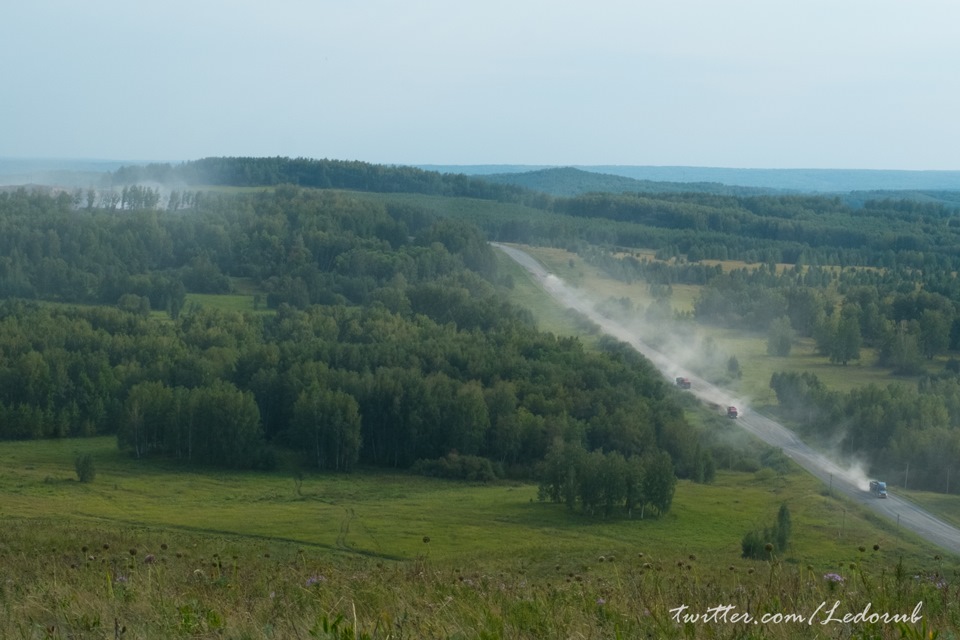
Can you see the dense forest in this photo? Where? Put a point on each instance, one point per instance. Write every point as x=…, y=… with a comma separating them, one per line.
x=385, y=320
x=381, y=339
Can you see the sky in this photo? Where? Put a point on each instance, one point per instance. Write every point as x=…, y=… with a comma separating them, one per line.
x=868, y=84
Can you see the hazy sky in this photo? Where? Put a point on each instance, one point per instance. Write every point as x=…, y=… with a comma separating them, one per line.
x=729, y=83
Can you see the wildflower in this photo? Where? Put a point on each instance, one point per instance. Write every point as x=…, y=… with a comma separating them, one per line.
x=317, y=579
x=833, y=577
x=149, y=558
x=601, y=601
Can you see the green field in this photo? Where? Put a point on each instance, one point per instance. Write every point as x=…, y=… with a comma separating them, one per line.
x=387, y=515
x=171, y=552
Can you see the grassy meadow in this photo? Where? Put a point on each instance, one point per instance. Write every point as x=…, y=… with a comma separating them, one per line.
x=378, y=555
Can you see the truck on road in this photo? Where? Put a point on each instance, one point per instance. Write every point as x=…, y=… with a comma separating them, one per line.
x=878, y=488
x=683, y=383
x=732, y=412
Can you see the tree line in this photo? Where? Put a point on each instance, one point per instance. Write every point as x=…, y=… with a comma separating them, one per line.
x=908, y=436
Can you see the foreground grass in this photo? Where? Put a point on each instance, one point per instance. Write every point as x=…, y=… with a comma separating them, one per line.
x=81, y=581
x=166, y=552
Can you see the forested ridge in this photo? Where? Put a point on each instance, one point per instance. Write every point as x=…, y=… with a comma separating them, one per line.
x=321, y=174
x=808, y=229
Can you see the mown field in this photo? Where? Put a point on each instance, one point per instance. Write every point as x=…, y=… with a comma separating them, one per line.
x=167, y=552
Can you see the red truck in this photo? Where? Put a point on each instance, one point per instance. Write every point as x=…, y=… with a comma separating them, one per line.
x=732, y=412
x=683, y=383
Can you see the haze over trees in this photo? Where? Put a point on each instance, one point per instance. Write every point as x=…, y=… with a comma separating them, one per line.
x=388, y=343
x=384, y=340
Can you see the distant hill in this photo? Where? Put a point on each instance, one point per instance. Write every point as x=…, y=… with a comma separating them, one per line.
x=805, y=180
x=569, y=181
x=854, y=186
x=809, y=180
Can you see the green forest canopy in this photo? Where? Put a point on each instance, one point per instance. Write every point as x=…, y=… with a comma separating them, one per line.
x=394, y=292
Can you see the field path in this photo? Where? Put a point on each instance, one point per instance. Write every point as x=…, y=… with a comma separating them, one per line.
x=906, y=514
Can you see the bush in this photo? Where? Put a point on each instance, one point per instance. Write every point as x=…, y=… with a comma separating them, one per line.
x=457, y=467
x=753, y=545
x=760, y=544
x=86, y=471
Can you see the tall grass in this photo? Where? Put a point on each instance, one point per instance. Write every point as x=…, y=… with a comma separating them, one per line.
x=166, y=552
x=82, y=580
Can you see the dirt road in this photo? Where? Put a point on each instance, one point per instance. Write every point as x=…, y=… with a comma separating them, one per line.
x=904, y=513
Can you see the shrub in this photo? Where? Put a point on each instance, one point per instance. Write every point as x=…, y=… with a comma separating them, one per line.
x=760, y=544
x=84, y=466
x=457, y=467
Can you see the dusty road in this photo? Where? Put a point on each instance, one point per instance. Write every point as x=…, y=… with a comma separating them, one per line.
x=898, y=510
